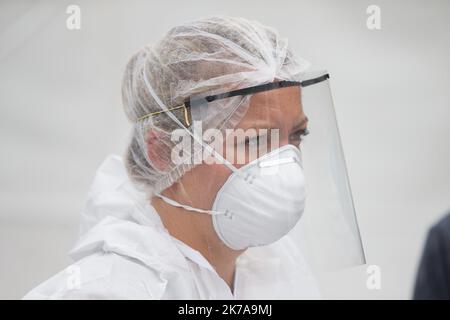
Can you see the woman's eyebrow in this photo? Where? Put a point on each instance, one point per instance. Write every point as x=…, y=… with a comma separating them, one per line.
x=260, y=125
x=263, y=124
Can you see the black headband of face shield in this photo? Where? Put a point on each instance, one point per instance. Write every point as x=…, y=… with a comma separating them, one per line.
x=262, y=88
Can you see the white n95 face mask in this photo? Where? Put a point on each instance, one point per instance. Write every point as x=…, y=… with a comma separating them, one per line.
x=260, y=202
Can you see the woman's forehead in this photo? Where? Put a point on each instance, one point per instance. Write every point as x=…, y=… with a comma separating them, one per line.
x=278, y=108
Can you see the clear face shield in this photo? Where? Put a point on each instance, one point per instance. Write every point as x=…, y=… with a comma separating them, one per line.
x=329, y=230
x=267, y=183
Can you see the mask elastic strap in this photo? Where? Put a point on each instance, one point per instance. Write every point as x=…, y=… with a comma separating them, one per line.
x=175, y=119
x=189, y=208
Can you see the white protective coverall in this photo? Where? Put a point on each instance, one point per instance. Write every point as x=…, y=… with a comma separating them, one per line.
x=125, y=252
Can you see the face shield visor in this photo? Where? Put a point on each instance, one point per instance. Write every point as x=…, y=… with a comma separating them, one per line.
x=268, y=170
x=328, y=232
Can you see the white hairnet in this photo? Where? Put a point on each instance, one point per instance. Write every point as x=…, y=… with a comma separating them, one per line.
x=216, y=54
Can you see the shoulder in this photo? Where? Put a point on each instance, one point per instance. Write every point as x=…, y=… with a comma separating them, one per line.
x=442, y=227
x=103, y=276
x=438, y=239
x=433, y=281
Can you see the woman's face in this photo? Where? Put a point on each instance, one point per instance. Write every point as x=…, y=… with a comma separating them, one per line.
x=279, y=109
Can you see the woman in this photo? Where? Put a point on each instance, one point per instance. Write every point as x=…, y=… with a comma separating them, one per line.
x=200, y=216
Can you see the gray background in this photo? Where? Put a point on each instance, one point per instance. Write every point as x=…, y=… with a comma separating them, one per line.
x=61, y=114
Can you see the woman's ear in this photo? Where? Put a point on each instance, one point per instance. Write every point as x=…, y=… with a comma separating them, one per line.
x=158, y=152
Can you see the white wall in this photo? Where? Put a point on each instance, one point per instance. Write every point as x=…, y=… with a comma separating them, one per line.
x=60, y=115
